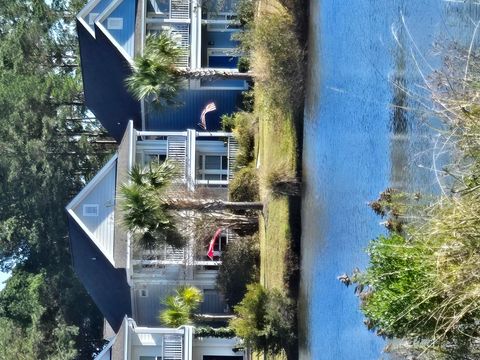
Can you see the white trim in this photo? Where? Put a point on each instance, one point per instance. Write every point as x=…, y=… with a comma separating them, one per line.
x=85, y=10
x=150, y=330
x=154, y=279
x=106, y=348
x=156, y=21
x=177, y=262
x=126, y=323
x=91, y=18
x=91, y=236
x=161, y=133
x=92, y=183
x=211, y=182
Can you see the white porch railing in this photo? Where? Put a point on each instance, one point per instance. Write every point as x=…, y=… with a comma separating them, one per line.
x=182, y=150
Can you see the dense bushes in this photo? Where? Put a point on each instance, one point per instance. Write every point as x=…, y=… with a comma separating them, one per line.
x=208, y=331
x=243, y=126
x=265, y=320
x=244, y=185
x=239, y=267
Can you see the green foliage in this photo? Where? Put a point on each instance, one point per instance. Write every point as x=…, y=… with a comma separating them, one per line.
x=245, y=11
x=243, y=125
x=422, y=283
x=240, y=266
x=153, y=74
x=181, y=306
x=279, y=72
x=143, y=213
x=208, y=331
x=49, y=149
x=280, y=181
x=265, y=320
x=244, y=64
x=244, y=185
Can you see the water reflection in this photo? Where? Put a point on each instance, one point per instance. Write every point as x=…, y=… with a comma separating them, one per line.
x=367, y=127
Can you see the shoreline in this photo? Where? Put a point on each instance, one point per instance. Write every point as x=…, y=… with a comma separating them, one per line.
x=280, y=140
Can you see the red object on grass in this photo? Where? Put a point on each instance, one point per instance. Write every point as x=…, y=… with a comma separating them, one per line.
x=212, y=243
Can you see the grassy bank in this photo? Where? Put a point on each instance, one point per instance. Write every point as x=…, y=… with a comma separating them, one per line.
x=279, y=98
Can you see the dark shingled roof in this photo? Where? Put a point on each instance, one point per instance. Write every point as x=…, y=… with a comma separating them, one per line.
x=104, y=70
x=106, y=285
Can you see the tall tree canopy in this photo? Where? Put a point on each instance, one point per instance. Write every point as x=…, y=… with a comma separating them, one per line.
x=48, y=148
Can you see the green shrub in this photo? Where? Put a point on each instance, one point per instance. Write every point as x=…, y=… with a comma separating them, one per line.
x=248, y=100
x=240, y=266
x=278, y=70
x=243, y=64
x=208, y=331
x=243, y=126
x=245, y=11
x=280, y=182
x=244, y=185
x=265, y=320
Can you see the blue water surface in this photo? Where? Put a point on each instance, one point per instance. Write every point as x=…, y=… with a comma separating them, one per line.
x=363, y=134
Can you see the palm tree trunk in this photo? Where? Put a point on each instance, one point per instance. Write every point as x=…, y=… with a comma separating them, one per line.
x=213, y=74
x=210, y=205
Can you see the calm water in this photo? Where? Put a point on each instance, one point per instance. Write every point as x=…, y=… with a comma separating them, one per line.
x=359, y=140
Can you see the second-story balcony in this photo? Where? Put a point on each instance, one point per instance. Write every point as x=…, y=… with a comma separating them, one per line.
x=173, y=16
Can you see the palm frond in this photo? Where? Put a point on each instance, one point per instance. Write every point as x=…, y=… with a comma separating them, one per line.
x=154, y=77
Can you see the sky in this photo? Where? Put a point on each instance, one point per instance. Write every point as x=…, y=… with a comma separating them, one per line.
x=3, y=277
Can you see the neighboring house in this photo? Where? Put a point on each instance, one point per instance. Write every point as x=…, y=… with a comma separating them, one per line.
x=125, y=281
x=128, y=284
x=112, y=32
x=144, y=343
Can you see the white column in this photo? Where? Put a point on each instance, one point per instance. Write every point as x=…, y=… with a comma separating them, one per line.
x=191, y=159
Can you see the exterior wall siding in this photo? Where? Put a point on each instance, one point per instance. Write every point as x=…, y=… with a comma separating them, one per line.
x=148, y=308
x=106, y=285
x=104, y=70
x=125, y=36
x=101, y=226
x=188, y=115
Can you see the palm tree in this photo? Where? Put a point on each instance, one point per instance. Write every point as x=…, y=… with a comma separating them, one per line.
x=181, y=306
x=143, y=214
x=156, y=77
x=150, y=212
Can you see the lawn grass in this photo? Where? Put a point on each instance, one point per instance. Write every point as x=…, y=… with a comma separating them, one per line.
x=277, y=143
x=276, y=42
x=278, y=107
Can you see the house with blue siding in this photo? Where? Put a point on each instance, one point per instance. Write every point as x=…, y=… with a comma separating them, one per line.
x=112, y=32
x=128, y=284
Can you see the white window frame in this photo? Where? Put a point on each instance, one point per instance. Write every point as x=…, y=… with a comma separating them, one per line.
x=201, y=171
x=92, y=17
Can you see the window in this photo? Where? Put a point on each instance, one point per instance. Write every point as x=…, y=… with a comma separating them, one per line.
x=90, y=210
x=221, y=244
x=212, y=167
x=150, y=358
x=143, y=292
x=115, y=23
x=154, y=158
